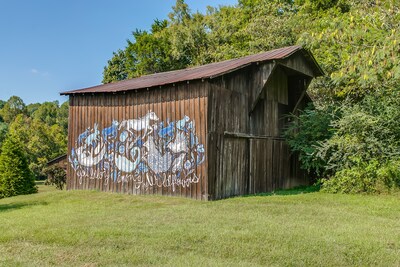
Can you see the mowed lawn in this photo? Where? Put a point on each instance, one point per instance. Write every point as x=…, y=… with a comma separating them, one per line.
x=88, y=228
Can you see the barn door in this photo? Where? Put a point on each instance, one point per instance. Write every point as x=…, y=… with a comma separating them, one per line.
x=269, y=166
x=232, y=168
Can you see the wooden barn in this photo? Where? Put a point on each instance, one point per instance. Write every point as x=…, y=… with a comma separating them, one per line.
x=206, y=132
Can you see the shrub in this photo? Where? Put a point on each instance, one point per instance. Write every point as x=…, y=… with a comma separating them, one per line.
x=369, y=177
x=15, y=176
x=56, y=176
x=306, y=131
x=365, y=131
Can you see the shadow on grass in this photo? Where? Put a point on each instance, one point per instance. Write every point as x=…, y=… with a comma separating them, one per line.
x=15, y=206
x=294, y=191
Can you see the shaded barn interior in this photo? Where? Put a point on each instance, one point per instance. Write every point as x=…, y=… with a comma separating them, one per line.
x=206, y=132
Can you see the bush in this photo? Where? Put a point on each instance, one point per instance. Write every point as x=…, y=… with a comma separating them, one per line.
x=56, y=176
x=369, y=177
x=15, y=176
x=363, y=153
x=306, y=131
x=364, y=132
x=355, y=147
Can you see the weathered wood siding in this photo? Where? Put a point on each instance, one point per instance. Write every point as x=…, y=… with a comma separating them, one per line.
x=170, y=104
x=247, y=116
x=228, y=112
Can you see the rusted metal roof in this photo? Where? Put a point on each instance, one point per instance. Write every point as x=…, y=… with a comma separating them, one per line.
x=57, y=159
x=195, y=73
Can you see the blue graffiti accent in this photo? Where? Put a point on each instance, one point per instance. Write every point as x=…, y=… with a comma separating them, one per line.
x=142, y=168
x=83, y=135
x=167, y=131
x=123, y=136
x=139, y=142
x=110, y=131
x=73, y=160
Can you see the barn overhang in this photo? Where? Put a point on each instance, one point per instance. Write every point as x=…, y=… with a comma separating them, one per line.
x=297, y=64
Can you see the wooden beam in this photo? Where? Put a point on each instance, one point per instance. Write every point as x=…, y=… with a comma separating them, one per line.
x=306, y=83
x=250, y=136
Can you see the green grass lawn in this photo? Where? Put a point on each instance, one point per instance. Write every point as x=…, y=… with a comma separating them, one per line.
x=87, y=228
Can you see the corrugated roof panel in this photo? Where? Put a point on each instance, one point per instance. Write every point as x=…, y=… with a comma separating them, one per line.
x=194, y=73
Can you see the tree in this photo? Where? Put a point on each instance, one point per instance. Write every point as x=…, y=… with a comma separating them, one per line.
x=31, y=108
x=356, y=43
x=3, y=132
x=14, y=106
x=62, y=117
x=46, y=112
x=40, y=141
x=2, y=103
x=15, y=176
x=191, y=39
x=116, y=69
x=306, y=132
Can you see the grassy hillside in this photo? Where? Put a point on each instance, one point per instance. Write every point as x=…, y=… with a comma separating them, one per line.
x=101, y=229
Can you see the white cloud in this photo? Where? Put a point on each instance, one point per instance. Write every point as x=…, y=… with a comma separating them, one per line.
x=38, y=72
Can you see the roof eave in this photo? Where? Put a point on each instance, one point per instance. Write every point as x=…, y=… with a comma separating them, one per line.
x=281, y=53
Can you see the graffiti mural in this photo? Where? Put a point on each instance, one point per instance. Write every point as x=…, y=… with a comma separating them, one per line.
x=146, y=150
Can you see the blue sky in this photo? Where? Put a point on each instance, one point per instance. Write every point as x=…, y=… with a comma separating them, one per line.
x=50, y=46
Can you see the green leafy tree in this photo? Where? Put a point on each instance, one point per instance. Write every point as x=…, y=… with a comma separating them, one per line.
x=46, y=113
x=356, y=43
x=15, y=176
x=14, y=106
x=3, y=132
x=2, y=103
x=305, y=133
x=62, y=118
x=31, y=108
x=365, y=131
x=40, y=141
x=187, y=33
x=116, y=69
x=150, y=52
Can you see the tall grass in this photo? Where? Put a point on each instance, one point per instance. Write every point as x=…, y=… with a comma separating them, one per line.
x=88, y=228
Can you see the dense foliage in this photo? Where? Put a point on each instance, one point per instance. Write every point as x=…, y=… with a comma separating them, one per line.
x=351, y=136
x=189, y=39
x=307, y=131
x=40, y=132
x=15, y=176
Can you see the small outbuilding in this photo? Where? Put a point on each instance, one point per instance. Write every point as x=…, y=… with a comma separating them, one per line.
x=60, y=161
x=206, y=132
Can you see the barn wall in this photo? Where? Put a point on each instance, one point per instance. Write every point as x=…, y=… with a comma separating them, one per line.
x=250, y=155
x=228, y=112
x=117, y=144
